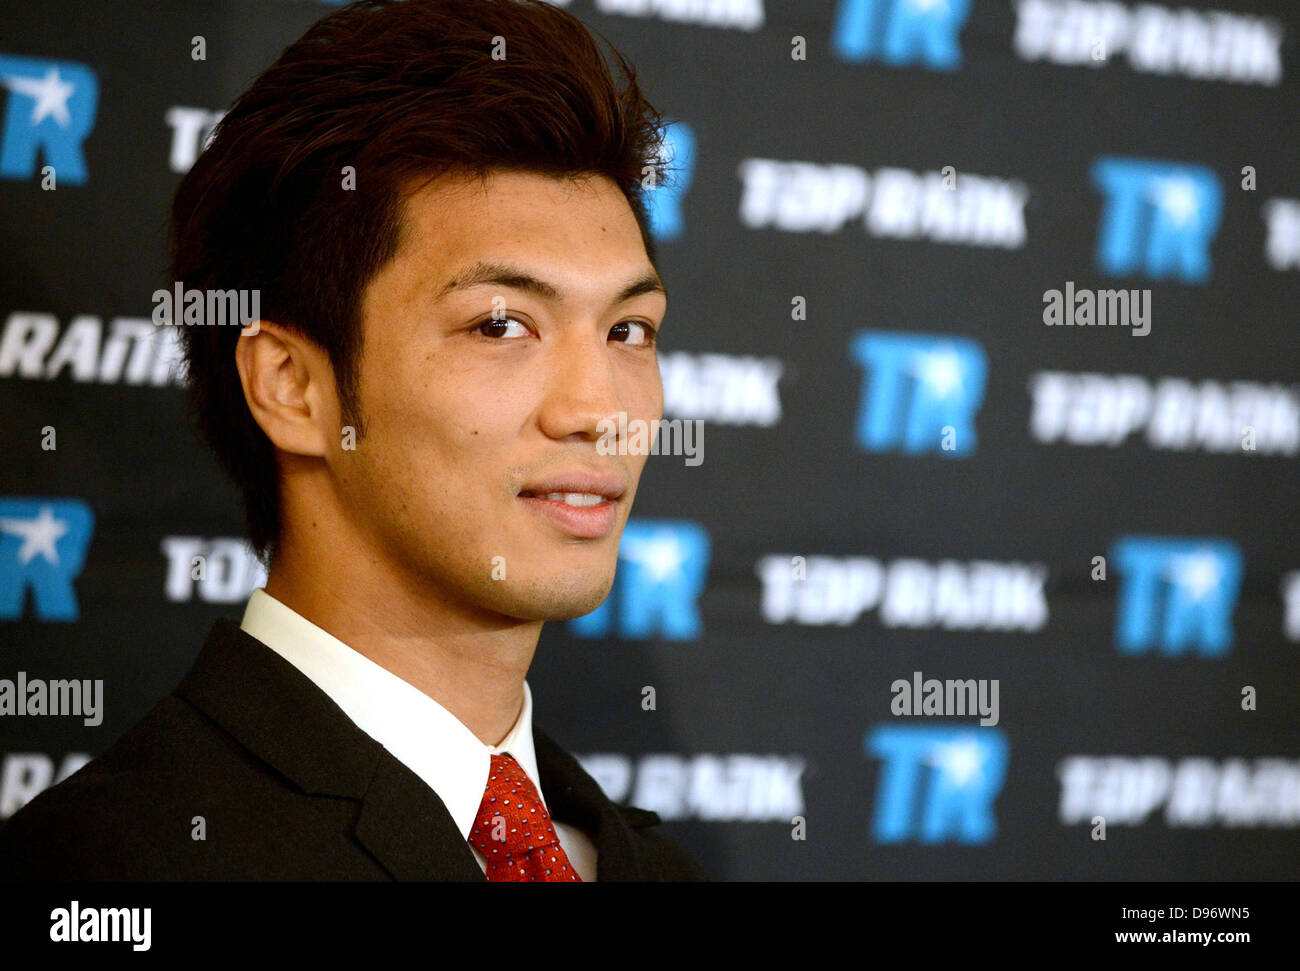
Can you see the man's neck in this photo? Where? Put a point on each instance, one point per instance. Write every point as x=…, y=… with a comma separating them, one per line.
x=471, y=663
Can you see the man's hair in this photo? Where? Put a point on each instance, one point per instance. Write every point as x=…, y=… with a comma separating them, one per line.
x=396, y=89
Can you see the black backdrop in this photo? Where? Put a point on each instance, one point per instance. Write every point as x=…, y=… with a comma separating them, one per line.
x=808, y=223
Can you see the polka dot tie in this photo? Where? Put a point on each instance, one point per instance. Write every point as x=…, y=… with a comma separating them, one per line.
x=513, y=831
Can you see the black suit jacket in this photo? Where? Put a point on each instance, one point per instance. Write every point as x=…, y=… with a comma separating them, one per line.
x=289, y=788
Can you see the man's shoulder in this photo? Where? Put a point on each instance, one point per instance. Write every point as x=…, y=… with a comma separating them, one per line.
x=102, y=822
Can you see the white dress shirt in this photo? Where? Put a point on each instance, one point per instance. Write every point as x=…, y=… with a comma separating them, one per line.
x=420, y=733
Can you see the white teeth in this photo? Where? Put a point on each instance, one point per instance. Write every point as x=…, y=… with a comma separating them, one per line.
x=575, y=498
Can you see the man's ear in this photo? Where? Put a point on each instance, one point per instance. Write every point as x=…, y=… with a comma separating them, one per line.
x=289, y=386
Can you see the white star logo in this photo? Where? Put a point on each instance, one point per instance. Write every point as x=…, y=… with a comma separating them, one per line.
x=661, y=555
x=1179, y=200
x=50, y=96
x=39, y=535
x=940, y=371
x=962, y=761
x=1197, y=573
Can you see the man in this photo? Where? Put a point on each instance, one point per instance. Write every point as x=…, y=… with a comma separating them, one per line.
x=439, y=204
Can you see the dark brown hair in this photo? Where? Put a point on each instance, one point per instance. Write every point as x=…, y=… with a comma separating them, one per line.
x=395, y=89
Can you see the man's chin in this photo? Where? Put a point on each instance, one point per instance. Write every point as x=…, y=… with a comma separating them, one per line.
x=558, y=597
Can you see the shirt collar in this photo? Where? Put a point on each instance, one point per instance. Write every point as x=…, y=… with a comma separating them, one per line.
x=420, y=733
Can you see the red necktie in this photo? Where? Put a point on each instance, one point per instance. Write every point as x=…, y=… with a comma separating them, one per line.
x=513, y=831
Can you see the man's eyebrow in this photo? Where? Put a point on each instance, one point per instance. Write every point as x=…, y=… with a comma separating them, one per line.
x=505, y=275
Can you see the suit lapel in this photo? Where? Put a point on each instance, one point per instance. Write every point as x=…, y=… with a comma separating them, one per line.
x=574, y=797
x=282, y=717
x=406, y=827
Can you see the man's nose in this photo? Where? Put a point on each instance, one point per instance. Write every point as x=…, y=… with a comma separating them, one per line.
x=583, y=388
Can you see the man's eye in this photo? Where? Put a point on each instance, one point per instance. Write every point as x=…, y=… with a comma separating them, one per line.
x=623, y=332
x=497, y=327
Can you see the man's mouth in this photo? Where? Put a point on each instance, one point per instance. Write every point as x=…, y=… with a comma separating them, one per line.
x=581, y=504
x=569, y=498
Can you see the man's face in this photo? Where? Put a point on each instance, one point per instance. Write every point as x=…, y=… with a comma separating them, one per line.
x=470, y=404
